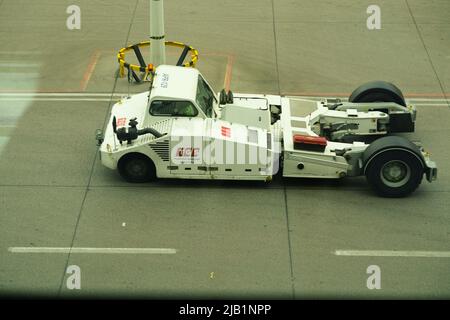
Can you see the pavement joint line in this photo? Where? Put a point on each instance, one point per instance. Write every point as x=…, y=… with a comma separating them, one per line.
x=92, y=250
x=207, y=188
x=393, y=253
x=275, y=47
x=95, y=158
x=428, y=53
x=291, y=263
x=286, y=210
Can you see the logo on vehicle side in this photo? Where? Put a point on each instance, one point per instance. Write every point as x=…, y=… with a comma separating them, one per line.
x=188, y=152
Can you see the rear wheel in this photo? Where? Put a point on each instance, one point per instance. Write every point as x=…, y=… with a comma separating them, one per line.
x=378, y=91
x=137, y=168
x=382, y=91
x=394, y=173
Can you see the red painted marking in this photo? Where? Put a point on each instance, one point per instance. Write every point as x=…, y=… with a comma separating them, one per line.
x=226, y=132
x=90, y=70
x=121, y=122
x=229, y=67
x=228, y=72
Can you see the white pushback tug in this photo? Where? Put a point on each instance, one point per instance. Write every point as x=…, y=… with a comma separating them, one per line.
x=181, y=128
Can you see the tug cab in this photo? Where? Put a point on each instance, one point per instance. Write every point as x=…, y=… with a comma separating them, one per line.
x=180, y=92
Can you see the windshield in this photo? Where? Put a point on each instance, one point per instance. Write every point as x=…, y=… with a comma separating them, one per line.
x=205, y=97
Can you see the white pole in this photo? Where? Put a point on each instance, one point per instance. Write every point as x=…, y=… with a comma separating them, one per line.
x=157, y=36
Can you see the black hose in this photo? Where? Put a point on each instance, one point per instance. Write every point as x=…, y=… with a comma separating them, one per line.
x=151, y=131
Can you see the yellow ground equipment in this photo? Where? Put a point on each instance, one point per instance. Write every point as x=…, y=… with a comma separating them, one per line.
x=143, y=71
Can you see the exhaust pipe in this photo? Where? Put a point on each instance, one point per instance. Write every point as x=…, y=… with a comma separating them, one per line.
x=133, y=133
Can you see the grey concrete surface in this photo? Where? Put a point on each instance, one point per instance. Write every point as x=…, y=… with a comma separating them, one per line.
x=320, y=227
x=233, y=239
x=231, y=236
x=48, y=146
x=37, y=216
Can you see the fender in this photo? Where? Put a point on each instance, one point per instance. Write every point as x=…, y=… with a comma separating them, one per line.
x=391, y=143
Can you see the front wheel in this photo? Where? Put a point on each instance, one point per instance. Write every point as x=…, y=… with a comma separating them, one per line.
x=394, y=173
x=137, y=168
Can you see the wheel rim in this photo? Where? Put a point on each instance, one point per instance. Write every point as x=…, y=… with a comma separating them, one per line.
x=395, y=173
x=136, y=168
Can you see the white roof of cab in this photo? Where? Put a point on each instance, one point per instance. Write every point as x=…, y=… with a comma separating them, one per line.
x=177, y=83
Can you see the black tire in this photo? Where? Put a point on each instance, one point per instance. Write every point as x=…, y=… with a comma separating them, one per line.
x=394, y=173
x=137, y=168
x=378, y=91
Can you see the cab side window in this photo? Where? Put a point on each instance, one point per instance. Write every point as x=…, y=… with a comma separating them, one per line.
x=173, y=109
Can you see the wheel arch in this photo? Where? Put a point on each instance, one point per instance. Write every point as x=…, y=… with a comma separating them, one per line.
x=390, y=143
x=377, y=87
x=129, y=155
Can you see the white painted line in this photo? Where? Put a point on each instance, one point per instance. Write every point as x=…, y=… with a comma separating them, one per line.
x=21, y=52
x=411, y=100
x=59, y=94
x=393, y=253
x=19, y=65
x=103, y=98
x=22, y=75
x=3, y=142
x=104, y=94
x=92, y=250
x=55, y=99
x=92, y=96
x=426, y=99
x=429, y=105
